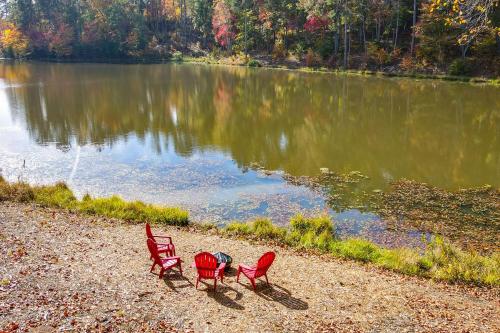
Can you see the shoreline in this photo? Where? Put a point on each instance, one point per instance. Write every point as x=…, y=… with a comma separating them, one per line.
x=441, y=260
x=87, y=273
x=353, y=72
x=299, y=69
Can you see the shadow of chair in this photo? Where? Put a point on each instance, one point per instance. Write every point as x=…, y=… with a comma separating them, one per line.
x=221, y=296
x=230, y=272
x=275, y=293
x=172, y=276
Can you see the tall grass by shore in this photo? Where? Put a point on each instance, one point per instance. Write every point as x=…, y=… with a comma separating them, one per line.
x=60, y=196
x=439, y=261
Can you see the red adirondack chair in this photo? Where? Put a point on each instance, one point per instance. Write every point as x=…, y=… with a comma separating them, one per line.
x=167, y=248
x=254, y=272
x=206, y=265
x=165, y=263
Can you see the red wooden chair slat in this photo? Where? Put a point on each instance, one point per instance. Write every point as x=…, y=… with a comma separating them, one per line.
x=254, y=272
x=165, y=263
x=206, y=266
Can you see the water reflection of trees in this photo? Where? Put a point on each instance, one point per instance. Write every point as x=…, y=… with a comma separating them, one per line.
x=439, y=132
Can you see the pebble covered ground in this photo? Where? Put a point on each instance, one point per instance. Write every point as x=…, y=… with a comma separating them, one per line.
x=61, y=271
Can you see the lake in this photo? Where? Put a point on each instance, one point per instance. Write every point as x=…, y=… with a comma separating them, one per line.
x=223, y=142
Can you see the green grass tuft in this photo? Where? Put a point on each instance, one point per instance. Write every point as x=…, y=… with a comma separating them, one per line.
x=357, y=249
x=259, y=228
x=19, y=192
x=316, y=232
x=238, y=229
x=60, y=196
x=264, y=228
x=135, y=211
x=444, y=261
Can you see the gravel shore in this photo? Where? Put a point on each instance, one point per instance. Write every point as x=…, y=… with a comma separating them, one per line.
x=61, y=271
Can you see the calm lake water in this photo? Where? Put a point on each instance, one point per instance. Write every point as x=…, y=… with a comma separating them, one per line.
x=187, y=135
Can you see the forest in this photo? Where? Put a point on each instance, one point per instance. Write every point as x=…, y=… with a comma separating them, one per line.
x=456, y=37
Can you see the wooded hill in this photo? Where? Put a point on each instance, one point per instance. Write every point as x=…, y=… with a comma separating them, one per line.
x=460, y=37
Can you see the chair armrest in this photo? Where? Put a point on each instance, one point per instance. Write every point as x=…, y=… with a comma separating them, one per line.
x=243, y=266
x=170, y=244
x=160, y=236
x=172, y=258
x=222, y=266
x=220, y=270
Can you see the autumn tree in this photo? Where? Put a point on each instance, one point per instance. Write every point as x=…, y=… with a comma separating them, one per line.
x=222, y=24
x=471, y=17
x=13, y=41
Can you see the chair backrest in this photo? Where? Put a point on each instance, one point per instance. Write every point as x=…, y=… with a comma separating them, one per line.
x=153, y=249
x=264, y=263
x=169, y=250
x=149, y=233
x=206, y=264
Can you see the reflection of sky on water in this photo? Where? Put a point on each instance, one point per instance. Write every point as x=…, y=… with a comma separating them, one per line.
x=208, y=183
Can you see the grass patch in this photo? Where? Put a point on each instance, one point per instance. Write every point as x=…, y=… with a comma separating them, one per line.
x=316, y=232
x=20, y=192
x=60, y=196
x=357, y=249
x=259, y=228
x=135, y=211
x=440, y=260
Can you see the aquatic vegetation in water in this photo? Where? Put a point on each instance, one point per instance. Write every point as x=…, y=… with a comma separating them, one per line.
x=342, y=191
x=470, y=217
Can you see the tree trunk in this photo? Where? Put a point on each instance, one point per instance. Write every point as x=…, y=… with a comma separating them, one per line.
x=412, y=47
x=378, y=27
x=364, y=34
x=464, y=49
x=345, y=44
x=397, y=28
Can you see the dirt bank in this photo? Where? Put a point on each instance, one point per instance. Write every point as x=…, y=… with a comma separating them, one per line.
x=71, y=272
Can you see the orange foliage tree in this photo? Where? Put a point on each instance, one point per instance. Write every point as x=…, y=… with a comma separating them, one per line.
x=13, y=42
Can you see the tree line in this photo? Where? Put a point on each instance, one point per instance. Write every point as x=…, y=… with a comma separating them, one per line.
x=461, y=36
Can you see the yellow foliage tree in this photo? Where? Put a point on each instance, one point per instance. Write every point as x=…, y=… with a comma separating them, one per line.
x=13, y=41
x=471, y=16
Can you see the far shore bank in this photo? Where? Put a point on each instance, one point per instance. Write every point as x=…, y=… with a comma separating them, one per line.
x=252, y=63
